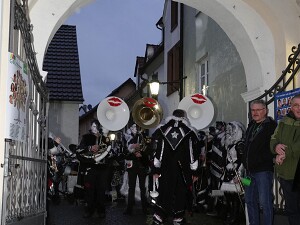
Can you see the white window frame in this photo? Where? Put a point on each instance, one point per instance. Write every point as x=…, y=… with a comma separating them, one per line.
x=202, y=74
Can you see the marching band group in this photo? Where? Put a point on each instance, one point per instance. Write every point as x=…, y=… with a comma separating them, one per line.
x=180, y=169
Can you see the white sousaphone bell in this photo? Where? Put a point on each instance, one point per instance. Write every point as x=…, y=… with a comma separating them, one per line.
x=199, y=109
x=113, y=113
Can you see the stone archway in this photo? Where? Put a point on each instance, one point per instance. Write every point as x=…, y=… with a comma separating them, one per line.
x=263, y=32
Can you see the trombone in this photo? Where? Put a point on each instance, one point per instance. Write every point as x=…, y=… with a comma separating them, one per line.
x=61, y=146
x=240, y=191
x=240, y=188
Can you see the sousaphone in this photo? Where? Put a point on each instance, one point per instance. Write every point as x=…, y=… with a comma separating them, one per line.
x=147, y=113
x=113, y=113
x=199, y=109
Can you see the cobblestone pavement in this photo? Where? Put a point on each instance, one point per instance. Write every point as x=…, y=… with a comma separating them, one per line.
x=71, y=214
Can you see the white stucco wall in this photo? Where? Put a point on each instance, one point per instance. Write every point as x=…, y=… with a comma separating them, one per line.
x=64, y=121
x=205, y=40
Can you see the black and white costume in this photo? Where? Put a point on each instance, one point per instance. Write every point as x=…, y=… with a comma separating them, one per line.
x=234, y=143
x=96, y=168
x=137, y=161
x=176, y=161
x=216, y=168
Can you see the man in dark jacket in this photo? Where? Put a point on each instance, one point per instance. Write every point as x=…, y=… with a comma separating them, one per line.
x=258, y=162
x=175, y=167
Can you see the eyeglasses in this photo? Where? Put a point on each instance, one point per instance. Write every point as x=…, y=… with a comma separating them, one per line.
x=296, y=106
x=257, y=110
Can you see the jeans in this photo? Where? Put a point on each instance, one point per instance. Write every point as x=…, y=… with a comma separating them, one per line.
x=260, y=195
x=292, y=201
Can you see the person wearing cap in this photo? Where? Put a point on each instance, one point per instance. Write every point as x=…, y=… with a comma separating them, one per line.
x=175, y=166
x=258, y=162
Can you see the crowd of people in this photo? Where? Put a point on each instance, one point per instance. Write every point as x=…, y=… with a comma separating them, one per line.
x=225, y=171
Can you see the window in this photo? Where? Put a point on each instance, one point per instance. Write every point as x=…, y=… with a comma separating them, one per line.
x=174, y=15
x=174, y=68
x=202, y=71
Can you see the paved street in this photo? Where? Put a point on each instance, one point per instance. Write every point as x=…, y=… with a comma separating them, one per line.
x=71, y=214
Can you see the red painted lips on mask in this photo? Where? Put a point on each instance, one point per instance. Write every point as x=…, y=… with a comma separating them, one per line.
x=150, y=102
x=198, y=99
x=114, y=101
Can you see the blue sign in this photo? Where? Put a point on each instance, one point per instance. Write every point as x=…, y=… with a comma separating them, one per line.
x=282, y=103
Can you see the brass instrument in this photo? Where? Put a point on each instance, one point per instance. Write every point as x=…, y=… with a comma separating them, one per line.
x=144, y=143
x=103, y=149
x=147, y=113
x=240, y=188
x=240, y=191
x=61, y=147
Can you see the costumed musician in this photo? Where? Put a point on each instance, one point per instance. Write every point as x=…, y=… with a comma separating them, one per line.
x=55, y=165
x=216, y=168
x=92, y=153
x=175, y=167
x=201, y=188
x=231, y=180
x=118, y=165
x=137, y=163
x=52, y=187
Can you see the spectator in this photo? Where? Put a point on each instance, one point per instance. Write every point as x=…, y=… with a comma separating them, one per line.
x=258, y=162
x=285, y=142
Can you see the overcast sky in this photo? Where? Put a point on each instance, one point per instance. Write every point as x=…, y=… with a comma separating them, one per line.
x=111, y=34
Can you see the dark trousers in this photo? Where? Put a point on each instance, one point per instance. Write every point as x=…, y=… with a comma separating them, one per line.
x=172, y=199
x=292, y=201
x=95, y=185
x=133, y=173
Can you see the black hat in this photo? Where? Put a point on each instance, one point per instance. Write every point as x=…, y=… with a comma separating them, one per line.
x=220, y=124
x=95, y=121
x=179, y=113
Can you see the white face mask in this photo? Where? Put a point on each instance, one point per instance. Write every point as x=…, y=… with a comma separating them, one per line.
x=133, y=129
x=94, y=129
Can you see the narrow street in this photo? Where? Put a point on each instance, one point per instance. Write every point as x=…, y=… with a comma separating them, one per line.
x=71, y=214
